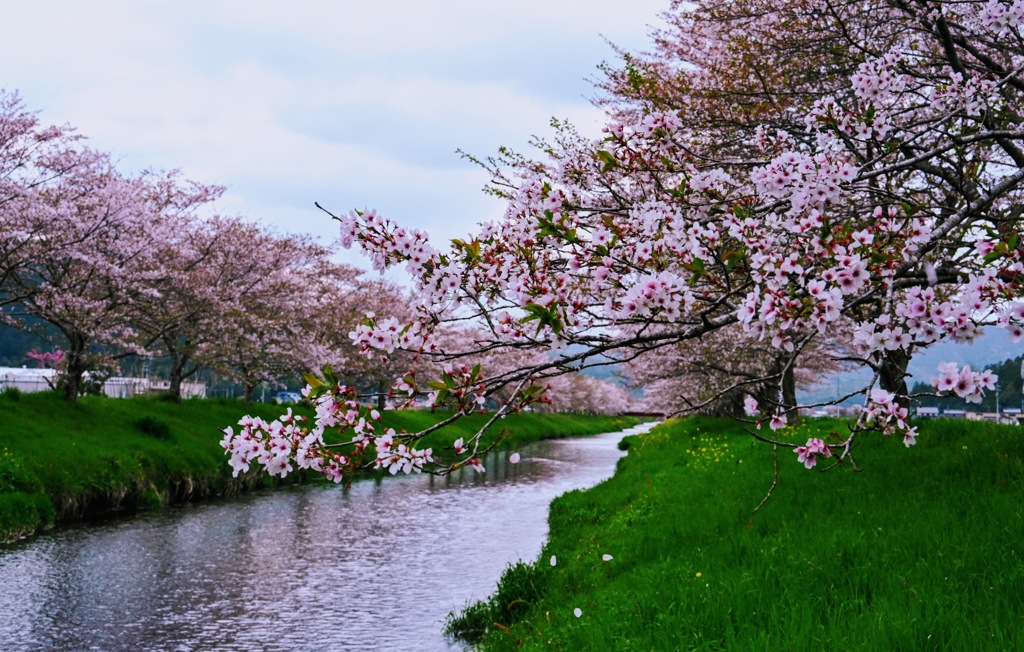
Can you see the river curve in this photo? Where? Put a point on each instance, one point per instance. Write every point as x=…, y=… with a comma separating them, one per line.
x=375, y=567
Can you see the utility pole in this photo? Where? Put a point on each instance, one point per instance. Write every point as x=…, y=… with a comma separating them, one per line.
x=997, y=400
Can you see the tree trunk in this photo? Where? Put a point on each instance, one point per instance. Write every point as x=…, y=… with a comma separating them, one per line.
x=892, y=375
x=75, y=368
x=72, y=385
x=729, y=405
x=174, y=376
x=180, y=353
x=249, y=391
x=789, y=395
x=174, y=388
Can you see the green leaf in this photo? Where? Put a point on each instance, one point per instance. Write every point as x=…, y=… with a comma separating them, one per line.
x=329, y=376
x=608, y=159
x=733, y=257
x=698, y=269
x=909, y=209
x=547, y=225
x=546, y=316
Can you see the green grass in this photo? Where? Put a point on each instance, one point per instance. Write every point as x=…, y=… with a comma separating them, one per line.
x=61, y=461
x=922, y=550
x=513, y=431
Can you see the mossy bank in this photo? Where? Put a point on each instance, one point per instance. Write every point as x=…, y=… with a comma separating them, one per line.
x=63, y=461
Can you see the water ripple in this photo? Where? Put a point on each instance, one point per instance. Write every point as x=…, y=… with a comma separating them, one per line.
x=375, y=567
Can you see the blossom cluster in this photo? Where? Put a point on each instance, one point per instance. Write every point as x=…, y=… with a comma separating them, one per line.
x=386, y=335
x=277, y=445
x=885, y=413
x=1003, y=17
x=345, y=435
x=399, y=457
x=288, y=443
x=963, y=382
x=809, y=453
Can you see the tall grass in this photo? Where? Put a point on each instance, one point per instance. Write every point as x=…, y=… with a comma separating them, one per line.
x=921, y=550
x=61, y=461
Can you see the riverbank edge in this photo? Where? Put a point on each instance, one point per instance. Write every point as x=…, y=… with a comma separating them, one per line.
x=62, y=463
x=666, y=554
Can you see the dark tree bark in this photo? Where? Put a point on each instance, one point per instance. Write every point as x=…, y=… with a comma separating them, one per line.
x=75, y=366
x=892, y=375
x=789, y=395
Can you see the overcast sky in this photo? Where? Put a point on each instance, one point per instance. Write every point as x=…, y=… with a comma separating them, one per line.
x=354, y=104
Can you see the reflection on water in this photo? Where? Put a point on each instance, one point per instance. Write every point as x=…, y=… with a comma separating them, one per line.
x=375, y=567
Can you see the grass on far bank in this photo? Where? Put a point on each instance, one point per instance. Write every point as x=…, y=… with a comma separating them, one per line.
x=61, y=461
x=922, y=550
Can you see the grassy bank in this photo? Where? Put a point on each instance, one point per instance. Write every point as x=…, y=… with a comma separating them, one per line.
x=922, y=550
x=61, y=461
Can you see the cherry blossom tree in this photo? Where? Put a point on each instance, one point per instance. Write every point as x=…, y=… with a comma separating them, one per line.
x=714, y=375
x=93, y=257
x=347, y=296
x=272, y=324
x=212, y=284
x=731, y=71
x=786, y=169
x=178, y=318
x=583, y=394
x=32, y=157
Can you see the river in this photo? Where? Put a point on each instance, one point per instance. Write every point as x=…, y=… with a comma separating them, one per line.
x=375, y=567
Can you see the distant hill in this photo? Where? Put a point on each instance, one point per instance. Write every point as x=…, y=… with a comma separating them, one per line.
x=15, y=343
x=994, y=347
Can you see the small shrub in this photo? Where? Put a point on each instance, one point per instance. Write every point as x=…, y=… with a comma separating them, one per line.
x=12, y=394
x=150, y=498
x=153, y=427
x=22, y=514
x=517, y=590
x=14, y=477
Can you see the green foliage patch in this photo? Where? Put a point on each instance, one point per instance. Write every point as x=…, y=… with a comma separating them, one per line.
x=921, y=550
x=153, y=427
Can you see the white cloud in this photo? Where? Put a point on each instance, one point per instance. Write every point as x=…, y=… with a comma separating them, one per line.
x=351, y=103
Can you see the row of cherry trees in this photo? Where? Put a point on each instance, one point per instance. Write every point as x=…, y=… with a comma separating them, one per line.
x=109, y=264
x=809, y=175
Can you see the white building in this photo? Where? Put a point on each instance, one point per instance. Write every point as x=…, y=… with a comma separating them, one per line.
x=40, y=380
x=27, y=380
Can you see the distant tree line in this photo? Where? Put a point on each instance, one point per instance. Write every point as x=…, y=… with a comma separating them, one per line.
x=107, y=266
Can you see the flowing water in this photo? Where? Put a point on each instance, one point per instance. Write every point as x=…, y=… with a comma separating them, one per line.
x=376, y=567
